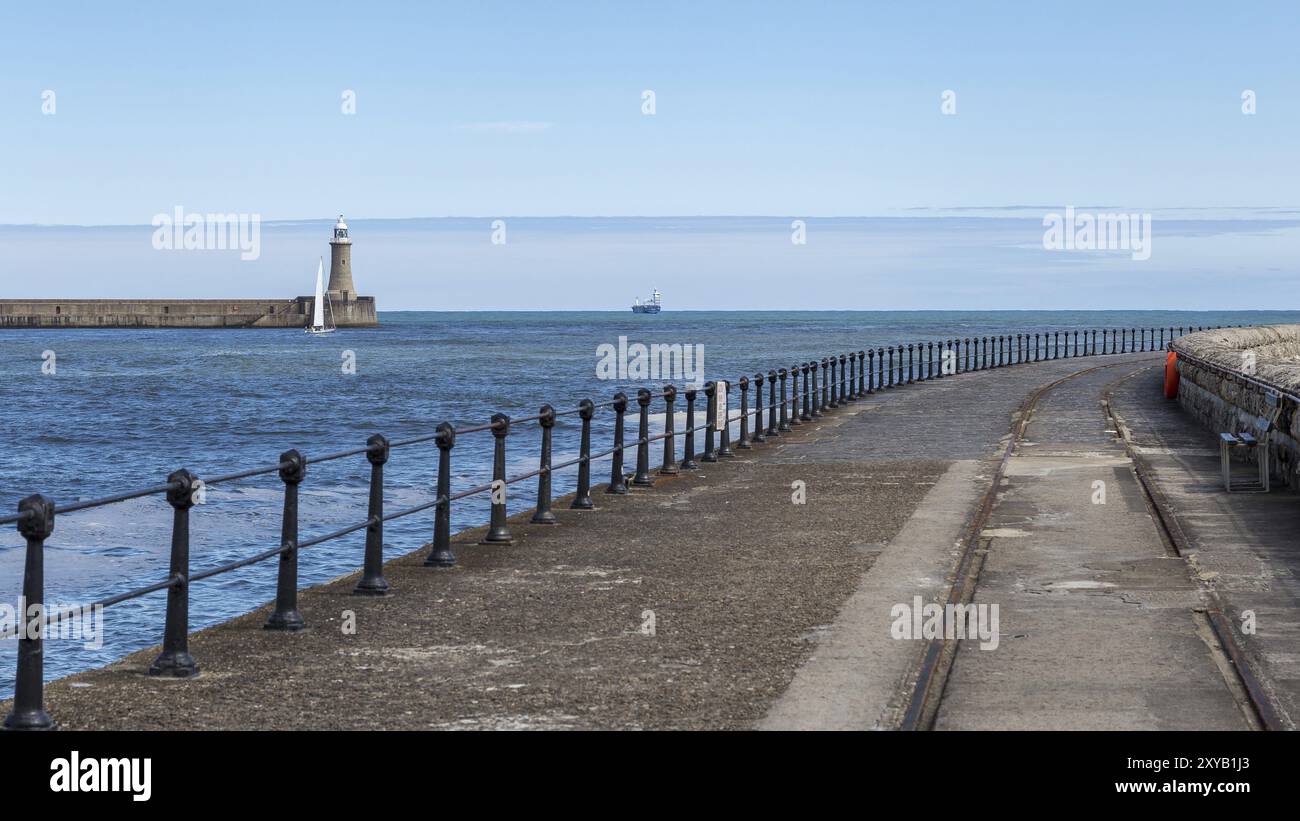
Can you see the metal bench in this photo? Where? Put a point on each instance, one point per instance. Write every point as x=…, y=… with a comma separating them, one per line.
x=1228, y=442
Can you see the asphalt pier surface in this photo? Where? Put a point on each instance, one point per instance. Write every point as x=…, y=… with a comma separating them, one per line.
x=714, y=600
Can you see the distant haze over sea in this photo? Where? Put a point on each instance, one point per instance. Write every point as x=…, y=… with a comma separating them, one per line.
x=943, y=259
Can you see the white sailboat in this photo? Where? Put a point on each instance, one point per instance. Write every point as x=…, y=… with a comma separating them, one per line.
x=318, y=325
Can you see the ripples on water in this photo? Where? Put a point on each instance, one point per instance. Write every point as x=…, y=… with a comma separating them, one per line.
x=128, y=407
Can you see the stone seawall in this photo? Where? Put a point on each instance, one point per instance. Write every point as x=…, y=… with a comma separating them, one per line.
x=1225, y=396
x=179, y=313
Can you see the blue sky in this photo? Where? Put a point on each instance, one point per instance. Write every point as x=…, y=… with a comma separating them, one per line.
x=781, y=110
x=504, y=108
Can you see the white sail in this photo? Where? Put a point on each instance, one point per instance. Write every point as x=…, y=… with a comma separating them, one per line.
x=318, y=314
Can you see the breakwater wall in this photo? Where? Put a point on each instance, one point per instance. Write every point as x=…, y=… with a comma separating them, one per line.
x=180, y=313
x=1227, y=377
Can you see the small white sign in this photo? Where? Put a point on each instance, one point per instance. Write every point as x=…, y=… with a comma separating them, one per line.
x=720, y=404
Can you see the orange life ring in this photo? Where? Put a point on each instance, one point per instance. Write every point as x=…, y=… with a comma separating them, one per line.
x=1171, y=376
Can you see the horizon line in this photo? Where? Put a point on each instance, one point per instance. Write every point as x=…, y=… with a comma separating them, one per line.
x=910, y=212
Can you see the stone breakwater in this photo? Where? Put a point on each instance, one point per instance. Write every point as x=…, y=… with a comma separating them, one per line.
x=1225, y=377
x=180, y=313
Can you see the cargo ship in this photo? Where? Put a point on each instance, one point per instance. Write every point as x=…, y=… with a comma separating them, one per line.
x=653, y=305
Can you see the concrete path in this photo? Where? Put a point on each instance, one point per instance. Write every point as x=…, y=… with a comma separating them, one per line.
x=1243, y=546
x=1097, y=617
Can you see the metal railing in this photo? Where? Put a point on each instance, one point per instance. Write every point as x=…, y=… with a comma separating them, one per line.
x=795, y=396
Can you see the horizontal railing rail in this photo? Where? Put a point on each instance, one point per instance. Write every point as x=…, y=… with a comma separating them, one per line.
x=796, y=394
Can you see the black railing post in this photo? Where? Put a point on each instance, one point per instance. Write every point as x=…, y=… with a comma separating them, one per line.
x=175, y=659
x=710, y=421
x=372, y=582
x=498, y=532
x=775, y=428
x=617, y=481
x=440, y=555
x=642, y=476
x=871, y=371
x=760, y=435
x=863, y=374
x=688, y=446
x=724, y=433
x=669, y=466
x=800, y=409
x=28, y=710
x=789, y=404
x=286, y=615
x=542, y=514
x=582, y=495
x=844, y=398
x=829, y=387
x=910, y=376
x=816, y=396
x=743, y=442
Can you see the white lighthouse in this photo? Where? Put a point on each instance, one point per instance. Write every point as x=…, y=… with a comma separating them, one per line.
x=341, y=288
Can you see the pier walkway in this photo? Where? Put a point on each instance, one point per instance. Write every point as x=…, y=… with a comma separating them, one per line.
x=713, y=600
